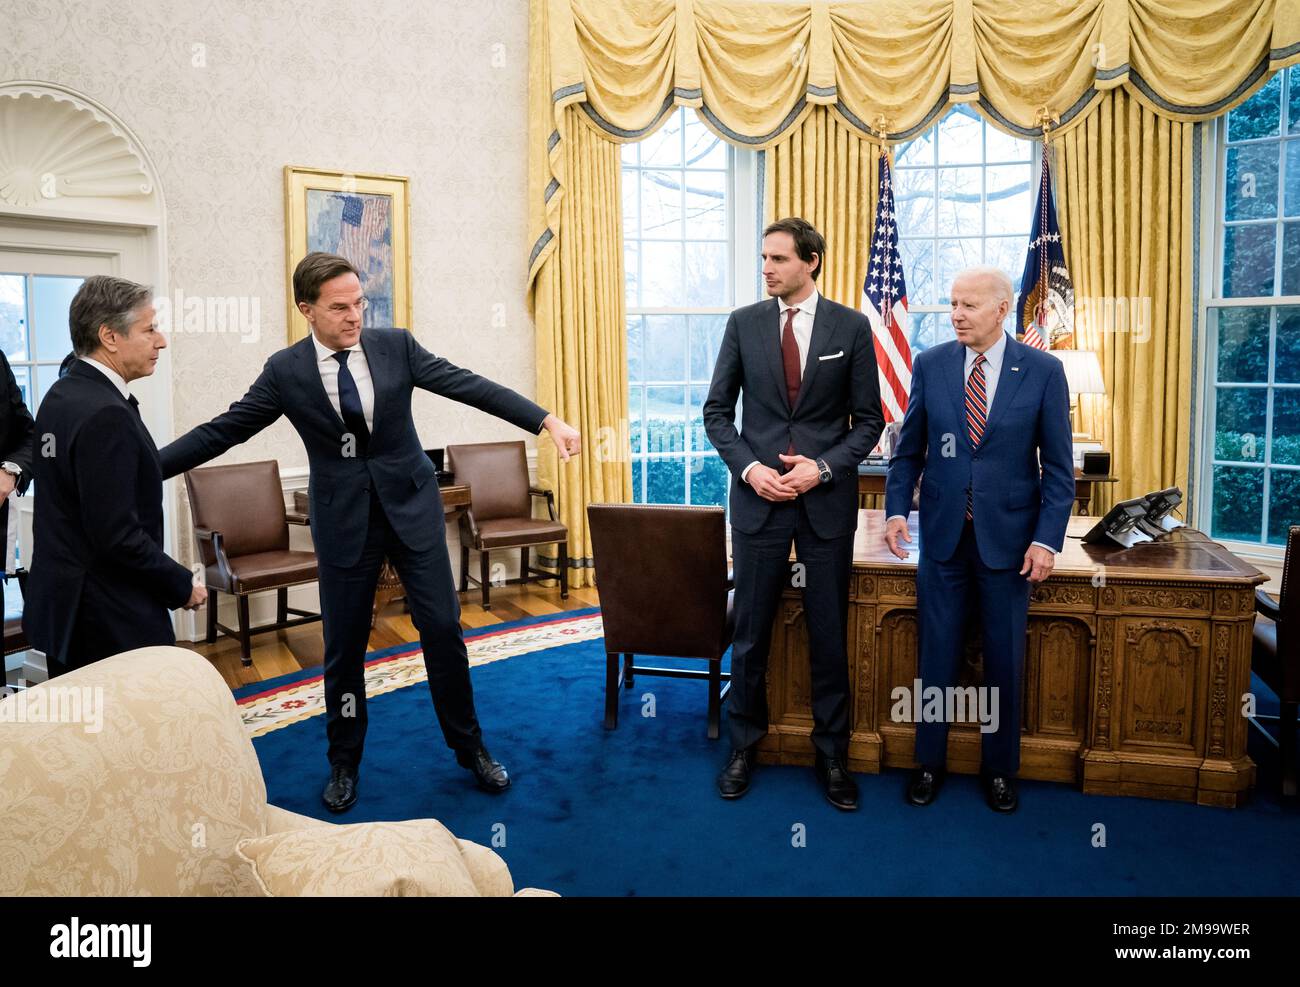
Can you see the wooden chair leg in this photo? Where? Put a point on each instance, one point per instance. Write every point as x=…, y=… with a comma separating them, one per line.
x=282, y=604
x=484, y=583
x=564, y=570
x=628, y=678
x=212, y=615
x=715, y=698
x=1287, y=725
x=611, y=690
x=245, y=638
x=523, y=565
x=464, y=567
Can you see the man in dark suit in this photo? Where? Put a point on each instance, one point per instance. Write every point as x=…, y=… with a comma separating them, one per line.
x=807, y=368
x=987, y=431
x=373, y=494
x=15, y=446
x=100, y=581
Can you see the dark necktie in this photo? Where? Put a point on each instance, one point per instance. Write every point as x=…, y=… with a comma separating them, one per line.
x=976, y=412
x=793, y=372
x=350, y=400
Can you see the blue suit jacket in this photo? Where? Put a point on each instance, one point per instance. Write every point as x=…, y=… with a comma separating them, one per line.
x=1014, y=503
x=341, y=476
x=837, y=417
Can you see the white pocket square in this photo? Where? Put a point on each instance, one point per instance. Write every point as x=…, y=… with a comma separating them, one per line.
x=832, y=356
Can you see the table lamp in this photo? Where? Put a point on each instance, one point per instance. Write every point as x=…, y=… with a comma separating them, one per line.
x=1082, y=375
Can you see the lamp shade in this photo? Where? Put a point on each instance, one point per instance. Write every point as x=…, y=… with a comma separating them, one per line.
x=1082, y=371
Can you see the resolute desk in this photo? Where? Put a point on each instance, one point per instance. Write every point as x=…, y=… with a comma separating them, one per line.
x=1135, y=668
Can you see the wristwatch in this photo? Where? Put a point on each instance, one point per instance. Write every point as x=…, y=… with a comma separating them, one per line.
x=823, y=471
x=13, y=469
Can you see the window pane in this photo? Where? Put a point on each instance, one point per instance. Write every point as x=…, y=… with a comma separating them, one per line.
x=1292, y=206
x=661, y=205
x=960, y=210
x=665, y=411
x=1250, y=186
x=1248, y=260
x=1008, y=254
x=961, y=137
x=1258, y=116
x=1238, y=503
x=636, y=418
x=954, y=256
x=928, y=329
x=1283, y=503
x=661, y=274
x=1243, y=345
x=666, y=480
x=706, y=340
x=706, y=205
x=631, y=153
x=704, y=148
x=664, y=146
x=699, y=439
x=1286, y=428
x=1009, y=198
x=1286, y=350
x=1239, y=424
x=708, y=481
x=631, y=212
x=1291, y=258
x=706, y=275
x=23, y=376
x=918, y=151
x=51, y=299
x=665, y=347
x=1293, y=114
x=635, y=345
x=638, y=481
x=918, y=268
x=1003, y=147
x=914, y=201
x=631, y=273
x=13, y=316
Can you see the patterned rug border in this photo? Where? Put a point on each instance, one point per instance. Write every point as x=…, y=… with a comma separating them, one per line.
x=302, y=696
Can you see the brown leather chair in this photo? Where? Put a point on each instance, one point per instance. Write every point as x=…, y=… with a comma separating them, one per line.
x=664, y=590
x=1275, y=657
x=500, y=514
x=242, y=530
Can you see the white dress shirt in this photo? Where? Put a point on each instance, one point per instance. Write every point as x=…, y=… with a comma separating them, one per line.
x=992, y=371
x=117, y=379
x=360, y=370
x=805, y=313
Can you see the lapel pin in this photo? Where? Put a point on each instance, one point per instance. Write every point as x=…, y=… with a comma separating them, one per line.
x=1017, y=369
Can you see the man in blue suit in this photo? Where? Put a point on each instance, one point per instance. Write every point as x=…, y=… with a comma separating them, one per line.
x=373, y=495
x=987, y=431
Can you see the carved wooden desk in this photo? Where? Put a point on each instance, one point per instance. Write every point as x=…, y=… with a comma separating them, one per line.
x=1135, y=668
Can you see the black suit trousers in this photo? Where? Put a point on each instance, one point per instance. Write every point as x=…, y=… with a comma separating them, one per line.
x=762, y=571
x=347, y=596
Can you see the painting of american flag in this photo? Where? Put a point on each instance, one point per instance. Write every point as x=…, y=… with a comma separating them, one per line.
x=358, y=226
x=884, y=300
x=1045, y=314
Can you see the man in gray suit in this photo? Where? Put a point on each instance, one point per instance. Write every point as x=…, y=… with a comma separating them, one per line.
x=807, y=368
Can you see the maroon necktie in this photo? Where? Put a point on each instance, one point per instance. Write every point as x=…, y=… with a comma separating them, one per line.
x=793, y=372
x=976, y=412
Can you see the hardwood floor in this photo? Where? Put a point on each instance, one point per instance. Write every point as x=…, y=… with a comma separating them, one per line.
x=303, y=647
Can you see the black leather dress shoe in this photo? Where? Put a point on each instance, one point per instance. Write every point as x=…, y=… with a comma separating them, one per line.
x=1000, y=793
x=841, y=789
x=734, y=780
x=341, y=790
x=487, y=771
x=923, y=785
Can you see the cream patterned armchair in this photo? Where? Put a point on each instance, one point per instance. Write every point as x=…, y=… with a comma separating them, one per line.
x=147, y=784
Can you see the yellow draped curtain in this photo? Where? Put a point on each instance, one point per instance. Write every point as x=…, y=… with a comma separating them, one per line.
x=1124, y=183
x=819, y=85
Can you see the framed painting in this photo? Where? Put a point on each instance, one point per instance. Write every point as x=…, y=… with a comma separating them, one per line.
x=365, y=218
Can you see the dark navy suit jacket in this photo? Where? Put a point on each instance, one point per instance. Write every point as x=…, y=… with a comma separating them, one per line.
x=837, y=417
x=1015, y=503
x=393, y=461
x=100, y=581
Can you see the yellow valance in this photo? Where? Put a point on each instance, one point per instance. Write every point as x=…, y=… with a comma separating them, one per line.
x=888, y=68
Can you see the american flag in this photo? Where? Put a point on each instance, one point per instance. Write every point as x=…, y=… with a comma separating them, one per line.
x=1046, y=310
x=884, y=300
x=364, y=220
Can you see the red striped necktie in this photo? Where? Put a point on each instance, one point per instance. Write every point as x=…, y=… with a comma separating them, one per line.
x=793, y=372
x=976, y=412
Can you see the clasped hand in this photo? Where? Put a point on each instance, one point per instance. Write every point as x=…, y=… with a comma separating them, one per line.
x=777, y=487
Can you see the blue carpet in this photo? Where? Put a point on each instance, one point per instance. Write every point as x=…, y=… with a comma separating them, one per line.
x=634, y=811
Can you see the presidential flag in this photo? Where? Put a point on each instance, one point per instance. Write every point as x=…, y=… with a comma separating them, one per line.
x=1046, y=311
x=884, y=300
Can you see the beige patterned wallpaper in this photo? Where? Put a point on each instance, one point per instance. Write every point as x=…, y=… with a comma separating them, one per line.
x=224, y=93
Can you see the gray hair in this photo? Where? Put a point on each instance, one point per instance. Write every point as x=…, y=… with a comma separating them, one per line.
x=104, y=301
x=1004, y=289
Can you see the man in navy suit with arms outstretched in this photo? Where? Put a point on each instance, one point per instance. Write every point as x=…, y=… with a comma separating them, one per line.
x=373, y=495
x=987, y=431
